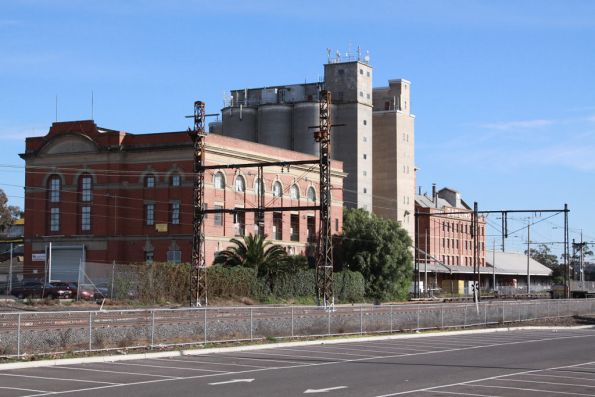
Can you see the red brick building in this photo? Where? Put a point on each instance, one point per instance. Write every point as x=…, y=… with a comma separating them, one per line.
x=103, y=195
x=447, y=239
x=448, y=236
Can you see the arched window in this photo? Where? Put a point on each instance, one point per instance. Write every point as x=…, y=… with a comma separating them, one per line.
x=294, y=192
x=219, y=180
x=176, y=180
x=311, y=194
x=240, y=184
x=258, y=186
x=277, y=189
x=150, y=181
x=54, y=187
x=86, y=187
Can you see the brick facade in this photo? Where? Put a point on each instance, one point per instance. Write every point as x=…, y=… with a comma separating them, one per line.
x=117, y=177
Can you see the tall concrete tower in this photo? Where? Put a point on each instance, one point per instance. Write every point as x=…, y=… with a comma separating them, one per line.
x=394, y=159
x=350, y=83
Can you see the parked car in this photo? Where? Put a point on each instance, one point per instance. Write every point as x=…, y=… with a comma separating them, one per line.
x=38, y=289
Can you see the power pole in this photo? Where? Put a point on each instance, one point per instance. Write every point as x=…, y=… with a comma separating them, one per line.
x=198, y=282
x=528, y=256
x=324, y=258
x=582, y=270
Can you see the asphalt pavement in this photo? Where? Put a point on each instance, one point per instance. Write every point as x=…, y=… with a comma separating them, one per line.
x=511, y=363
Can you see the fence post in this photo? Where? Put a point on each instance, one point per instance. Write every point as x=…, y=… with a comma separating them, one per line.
x=90, y=331
x=441, y=317
x=391, y=319
x=418, y=310
x=251, y=322
x=152, y=328
x=329, y=322
x=361, y=319
x=19, y=336
x=292, y=321
x=503, y=313
x=205, y=327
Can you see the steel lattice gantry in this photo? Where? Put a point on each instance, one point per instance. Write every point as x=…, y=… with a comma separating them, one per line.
x=324, y=257
x=198, y=282
x=324, y=254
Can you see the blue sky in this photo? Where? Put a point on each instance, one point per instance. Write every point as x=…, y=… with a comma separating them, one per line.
x=503, y=91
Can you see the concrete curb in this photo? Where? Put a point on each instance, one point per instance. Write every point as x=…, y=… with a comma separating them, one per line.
x=197, y=352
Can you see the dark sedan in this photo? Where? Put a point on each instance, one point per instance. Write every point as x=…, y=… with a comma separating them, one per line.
x=38, y=289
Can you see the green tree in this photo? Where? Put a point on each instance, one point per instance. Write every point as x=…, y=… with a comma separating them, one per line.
x=543, y=255
x=255, y=252
x=8, y=213
x=380, y=250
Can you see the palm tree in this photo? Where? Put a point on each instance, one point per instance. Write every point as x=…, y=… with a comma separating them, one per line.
x=266, y=258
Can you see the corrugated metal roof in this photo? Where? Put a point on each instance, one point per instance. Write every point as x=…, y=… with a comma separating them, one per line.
x=515, y=263
x=507, y=263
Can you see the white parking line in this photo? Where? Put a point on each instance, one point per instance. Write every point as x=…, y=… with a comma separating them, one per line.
x=266, y=359
x=536, y=390
x=208, y=362
x=114, y=372
x=319, y=351
x=560, y=376
x=20, y=388
x=333, y=347
x=459, y=393
x=298, y=356
x=546, y=383
x=66, y=379
x=169, y=367
x=472, y=382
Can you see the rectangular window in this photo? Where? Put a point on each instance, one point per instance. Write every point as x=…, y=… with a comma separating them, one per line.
x=361, y=71
x=85, y=219
x=218, y=216
x=176, y=180
x=295, y=228
x=365, y=122
x=86, y=189
x=149, y=255
x=150, y=181
x=149, y=214
x=336, y=224
x=240, y=223
x=311, y=228
x=54, y=219
x=361, y=93
x=365, y=138
x=365, y=156
x=277, y=226
x=175, y=212
x=54, y=190
x=174, y=256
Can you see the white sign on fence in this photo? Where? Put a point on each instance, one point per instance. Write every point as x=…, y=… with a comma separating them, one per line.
x=38, y=257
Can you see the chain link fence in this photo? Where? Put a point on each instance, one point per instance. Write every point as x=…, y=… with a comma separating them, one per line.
x=39, y=333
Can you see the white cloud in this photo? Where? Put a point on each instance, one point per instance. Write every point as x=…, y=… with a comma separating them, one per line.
x=519, y=124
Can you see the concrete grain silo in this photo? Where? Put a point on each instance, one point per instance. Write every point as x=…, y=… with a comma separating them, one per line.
x=305, y=115
x=240, y=122
x=274, y=125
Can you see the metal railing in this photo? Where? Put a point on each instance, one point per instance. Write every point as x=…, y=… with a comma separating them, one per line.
x=27, y=333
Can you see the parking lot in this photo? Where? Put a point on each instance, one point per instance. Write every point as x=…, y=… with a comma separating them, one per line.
x=505, y=363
